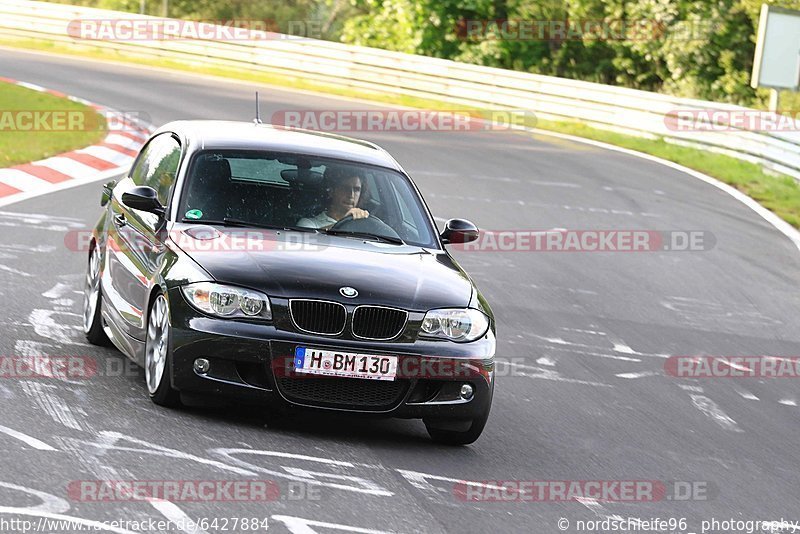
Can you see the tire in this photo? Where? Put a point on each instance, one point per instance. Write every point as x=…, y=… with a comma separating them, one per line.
x=93, y=301
x=438, y=431
x=157, y=355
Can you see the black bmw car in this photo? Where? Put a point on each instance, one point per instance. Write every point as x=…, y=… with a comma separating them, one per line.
x=289, y=268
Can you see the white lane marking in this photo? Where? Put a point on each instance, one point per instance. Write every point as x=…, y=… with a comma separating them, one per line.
x=93, y=525
x=596, y=508
x=693, y=311
x=177, y=516
x=619, y=347
x=545, y=360
x=592, y=353
x=41, y=218
x=549, y=374
x=746, y=394
x=110, y=440
x=57, y=291
x=50, y=503
x=17, y=272
x=28, y=440
x=38, y=355
x=279, y=454
x=710, y=409
x=50, y=404
x=38, y=249
x=298, y=525
x=593, y=332
x=47, y=327
x=779, y=224
x=443, y=495
x=567, y=289
x=359, y=484
x=642, y=374
x=623, y=348
x=788, y=402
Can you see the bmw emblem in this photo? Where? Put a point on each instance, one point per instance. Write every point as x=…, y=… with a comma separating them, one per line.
x=349, y=292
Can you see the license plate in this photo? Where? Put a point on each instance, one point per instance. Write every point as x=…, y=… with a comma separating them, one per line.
x=345, y=364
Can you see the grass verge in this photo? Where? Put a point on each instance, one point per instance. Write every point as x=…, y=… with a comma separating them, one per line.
x=36, y=125
x=778, y=193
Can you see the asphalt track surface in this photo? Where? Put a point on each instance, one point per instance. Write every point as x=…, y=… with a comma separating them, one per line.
x=571, y=323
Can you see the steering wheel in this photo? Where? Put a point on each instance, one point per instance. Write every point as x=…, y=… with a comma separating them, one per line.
x=369, y=225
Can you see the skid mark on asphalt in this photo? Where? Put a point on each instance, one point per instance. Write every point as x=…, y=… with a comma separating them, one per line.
x=52, y=405
x=93, y=461
x=695, y=312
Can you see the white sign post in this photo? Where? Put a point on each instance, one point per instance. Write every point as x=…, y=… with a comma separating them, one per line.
x=777, y=59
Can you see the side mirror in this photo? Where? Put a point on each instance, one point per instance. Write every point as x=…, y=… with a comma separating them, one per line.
x=459, y=231
x=143, y=198
x=107, y=189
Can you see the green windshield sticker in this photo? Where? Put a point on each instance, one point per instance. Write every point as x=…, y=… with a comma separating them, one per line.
x=194, y=214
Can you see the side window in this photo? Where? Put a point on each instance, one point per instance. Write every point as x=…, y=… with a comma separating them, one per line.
x=158, y=165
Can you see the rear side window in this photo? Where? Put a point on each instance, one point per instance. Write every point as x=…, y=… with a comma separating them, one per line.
x=157, y=165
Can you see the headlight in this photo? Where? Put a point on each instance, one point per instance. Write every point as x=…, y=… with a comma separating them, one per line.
x=455, y=324
x=228, y=301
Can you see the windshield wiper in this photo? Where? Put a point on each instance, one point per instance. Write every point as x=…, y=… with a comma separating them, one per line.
x=239, y=222
x=377, y=237
x=228, y=221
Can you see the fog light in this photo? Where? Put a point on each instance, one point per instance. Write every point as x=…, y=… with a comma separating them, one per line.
x=466, y=392
x=201, y=366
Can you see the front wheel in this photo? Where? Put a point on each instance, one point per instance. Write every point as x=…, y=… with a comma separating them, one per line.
x=157, y=358
x=456, y=432
x=92, y=296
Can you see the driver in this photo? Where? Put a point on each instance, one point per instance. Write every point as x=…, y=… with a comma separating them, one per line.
x=343, y=188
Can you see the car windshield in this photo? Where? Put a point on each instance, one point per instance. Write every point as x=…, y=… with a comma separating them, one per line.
x=271, y=189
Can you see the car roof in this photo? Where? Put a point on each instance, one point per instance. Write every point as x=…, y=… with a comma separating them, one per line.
x=213, y=134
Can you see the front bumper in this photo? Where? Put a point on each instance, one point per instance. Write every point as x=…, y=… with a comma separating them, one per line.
x=252, y=362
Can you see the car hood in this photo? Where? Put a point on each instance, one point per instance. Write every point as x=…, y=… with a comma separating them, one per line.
x=305, y=265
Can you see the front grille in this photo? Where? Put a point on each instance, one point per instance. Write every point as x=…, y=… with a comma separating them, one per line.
x=318, y=317
x=376, y=322
x=335, y=392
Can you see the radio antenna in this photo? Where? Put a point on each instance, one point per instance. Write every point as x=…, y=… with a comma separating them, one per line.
x=257, y=120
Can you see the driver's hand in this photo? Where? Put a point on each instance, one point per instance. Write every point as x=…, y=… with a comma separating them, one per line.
x=357, y=213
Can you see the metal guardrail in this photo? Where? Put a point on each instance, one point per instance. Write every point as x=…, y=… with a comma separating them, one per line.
x=630, y=111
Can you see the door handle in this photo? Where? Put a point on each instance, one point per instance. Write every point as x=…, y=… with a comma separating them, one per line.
x=119, y=220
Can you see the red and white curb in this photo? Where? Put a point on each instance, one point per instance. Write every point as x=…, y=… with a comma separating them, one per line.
x=110, y=157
